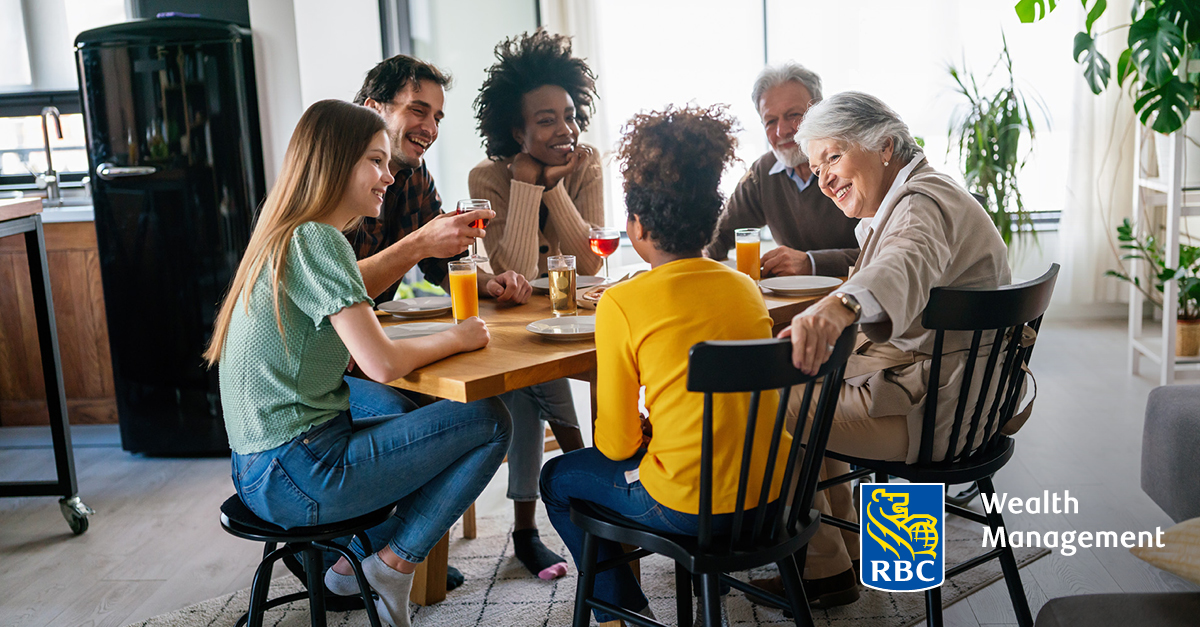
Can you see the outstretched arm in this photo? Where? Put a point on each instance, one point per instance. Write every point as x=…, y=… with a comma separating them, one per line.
x=383, y=359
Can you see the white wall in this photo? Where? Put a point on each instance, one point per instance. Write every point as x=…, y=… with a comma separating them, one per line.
x=305, y=52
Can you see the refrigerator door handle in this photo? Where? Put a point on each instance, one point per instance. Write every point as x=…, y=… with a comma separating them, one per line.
x=108, y=171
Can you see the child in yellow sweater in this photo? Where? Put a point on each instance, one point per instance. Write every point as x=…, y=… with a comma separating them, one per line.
x=644, y=330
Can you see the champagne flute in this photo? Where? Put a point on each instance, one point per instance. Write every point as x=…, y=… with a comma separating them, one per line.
x=473, y=204
x=604, y=242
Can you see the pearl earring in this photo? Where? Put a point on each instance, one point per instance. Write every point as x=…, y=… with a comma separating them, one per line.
x=885, y=164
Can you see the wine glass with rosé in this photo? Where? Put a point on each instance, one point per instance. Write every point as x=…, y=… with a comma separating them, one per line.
x=473, y=204
x=604, y=242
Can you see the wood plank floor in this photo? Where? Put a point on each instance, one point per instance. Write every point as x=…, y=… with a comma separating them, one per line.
x=155, y=544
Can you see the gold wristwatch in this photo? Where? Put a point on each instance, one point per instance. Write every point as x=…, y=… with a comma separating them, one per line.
x=849, y=302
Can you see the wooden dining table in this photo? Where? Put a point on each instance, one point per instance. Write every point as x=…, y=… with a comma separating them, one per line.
x=516, y=358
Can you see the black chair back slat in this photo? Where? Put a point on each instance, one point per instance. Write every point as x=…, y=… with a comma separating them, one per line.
x=989, y=370
x=1005, y=311
x=814, y=451
x=754, y=366
x=764, y=491
x=1000, y=401
x=961, y=408
x=925, y=453
x=704, y=532
x=739, y=512
x=794, y=455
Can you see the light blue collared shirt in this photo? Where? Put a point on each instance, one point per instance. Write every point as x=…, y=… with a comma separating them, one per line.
x=800, y=182
x=802, y=185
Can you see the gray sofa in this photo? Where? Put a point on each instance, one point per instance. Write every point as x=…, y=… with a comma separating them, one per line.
x=1170, y=465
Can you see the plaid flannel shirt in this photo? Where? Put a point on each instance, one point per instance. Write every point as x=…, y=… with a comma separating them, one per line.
x=410, y=203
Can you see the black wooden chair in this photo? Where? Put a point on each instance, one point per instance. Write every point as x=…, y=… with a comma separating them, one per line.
x=1011, y=317
x=764, y=535
x=238, y=520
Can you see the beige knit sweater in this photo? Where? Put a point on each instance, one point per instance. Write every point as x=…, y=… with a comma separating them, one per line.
x=574, y=205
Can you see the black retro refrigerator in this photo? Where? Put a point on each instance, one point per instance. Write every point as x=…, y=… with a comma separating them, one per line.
x=176, y=167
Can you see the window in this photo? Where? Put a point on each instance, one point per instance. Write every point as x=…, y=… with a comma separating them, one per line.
x=655, y=52
x=44, y=30
x=14, y=71
x=687, y=51
x=22, y=154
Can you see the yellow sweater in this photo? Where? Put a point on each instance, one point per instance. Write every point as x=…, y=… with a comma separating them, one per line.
x=644, y=330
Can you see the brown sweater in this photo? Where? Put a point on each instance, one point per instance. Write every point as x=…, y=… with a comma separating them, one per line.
x=514, y=241
x=802, y=220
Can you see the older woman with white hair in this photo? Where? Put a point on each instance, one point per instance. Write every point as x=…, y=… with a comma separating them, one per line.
x=918, y=229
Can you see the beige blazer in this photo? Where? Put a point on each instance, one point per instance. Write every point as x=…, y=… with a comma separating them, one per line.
x=933, y=235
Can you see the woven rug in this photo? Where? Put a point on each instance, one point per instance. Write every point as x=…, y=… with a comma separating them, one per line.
x=499, y=592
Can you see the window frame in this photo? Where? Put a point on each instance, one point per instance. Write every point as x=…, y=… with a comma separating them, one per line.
x=31, y=103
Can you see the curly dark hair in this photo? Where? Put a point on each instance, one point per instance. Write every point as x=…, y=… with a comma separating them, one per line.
x=522, y=65
x=389, y=78
x=672, y=162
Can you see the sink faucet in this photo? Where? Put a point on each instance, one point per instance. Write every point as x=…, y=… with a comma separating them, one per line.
x=51, y=177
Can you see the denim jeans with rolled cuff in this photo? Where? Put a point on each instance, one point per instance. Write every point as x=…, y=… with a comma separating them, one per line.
x=432, y=462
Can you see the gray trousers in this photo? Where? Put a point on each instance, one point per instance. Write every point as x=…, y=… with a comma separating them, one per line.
x=530, y=407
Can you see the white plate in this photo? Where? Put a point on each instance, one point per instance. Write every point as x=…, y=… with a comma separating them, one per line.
x=422, y=307
x=581, y=281
x=416, y=329
x=800, y=285
x=565, y=328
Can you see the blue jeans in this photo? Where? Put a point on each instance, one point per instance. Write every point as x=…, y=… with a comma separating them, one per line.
x=588, y=475
x=431, y=462
x=529, y=406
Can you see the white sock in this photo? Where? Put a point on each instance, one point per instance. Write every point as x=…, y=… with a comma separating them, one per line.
x=393, y=588
x=342, y=585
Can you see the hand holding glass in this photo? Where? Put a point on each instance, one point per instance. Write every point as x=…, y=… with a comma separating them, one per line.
x=473, y=204
x=604, y=242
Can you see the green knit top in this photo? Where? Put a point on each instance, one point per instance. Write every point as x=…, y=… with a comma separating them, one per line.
x=273, y=388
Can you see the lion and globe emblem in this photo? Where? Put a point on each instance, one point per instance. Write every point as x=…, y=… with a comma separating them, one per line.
x=890, y=524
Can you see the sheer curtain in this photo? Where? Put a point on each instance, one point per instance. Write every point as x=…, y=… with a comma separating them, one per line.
x=1099, y=188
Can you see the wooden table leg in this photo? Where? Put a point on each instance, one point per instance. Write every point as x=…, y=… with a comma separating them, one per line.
x=469, y=531
x=429, y=584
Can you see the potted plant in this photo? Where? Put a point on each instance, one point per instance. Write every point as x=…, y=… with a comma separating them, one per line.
x=987, y=131
x=1163, y=34
x=1150, y=250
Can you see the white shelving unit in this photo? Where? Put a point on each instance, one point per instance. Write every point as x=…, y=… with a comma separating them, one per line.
x=1181, y=202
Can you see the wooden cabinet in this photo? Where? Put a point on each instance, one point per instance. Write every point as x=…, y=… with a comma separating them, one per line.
x=74, y=263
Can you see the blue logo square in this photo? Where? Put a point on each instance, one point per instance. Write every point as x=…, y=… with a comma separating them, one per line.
x=902, y=535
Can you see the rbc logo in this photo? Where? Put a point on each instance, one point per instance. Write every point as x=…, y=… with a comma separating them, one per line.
x=902, y=527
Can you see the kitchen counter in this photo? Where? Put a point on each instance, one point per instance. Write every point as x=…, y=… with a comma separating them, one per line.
x=79, y=315
x=68, y=214
x=74, y=212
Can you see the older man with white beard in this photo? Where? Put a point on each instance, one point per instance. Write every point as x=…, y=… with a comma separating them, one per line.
x=780, y=192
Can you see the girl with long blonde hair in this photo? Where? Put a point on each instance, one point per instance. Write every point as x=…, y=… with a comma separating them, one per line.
x=296, y=313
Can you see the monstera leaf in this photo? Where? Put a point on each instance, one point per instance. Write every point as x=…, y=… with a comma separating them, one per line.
x=1168, y=105
x=1096, y=68
x=1034, y=10
x=1160, y=35
x=1157, y=44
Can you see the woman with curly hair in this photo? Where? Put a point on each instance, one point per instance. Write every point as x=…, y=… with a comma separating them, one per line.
x=673, y=161
x=547, y=192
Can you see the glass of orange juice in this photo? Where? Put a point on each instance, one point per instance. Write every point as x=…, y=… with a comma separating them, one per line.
x=747, y=252
x=464, y=291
